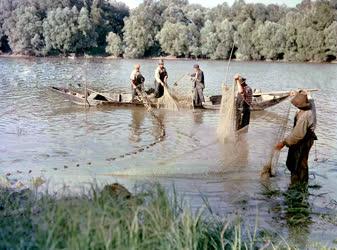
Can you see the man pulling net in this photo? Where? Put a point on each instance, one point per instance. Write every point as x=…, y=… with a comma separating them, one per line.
x=243, y=102
x=137, y=82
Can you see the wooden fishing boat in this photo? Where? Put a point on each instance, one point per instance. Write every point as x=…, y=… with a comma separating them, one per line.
x=261, y=100
x=95, y=98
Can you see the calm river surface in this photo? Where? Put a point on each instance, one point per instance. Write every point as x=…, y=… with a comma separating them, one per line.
x=42, y=134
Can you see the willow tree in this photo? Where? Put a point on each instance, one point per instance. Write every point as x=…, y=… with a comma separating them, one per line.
x=173, y=39
x=114, y=44
x=270, y=40
x=244, y=41
x=141, y=28
x=331, y=41
x=24, y=31
x=60, y=30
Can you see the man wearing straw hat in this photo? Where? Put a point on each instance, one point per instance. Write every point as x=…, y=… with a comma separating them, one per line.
x=243, y=102
x=137, y=81
x=301, y=138
x=160, y=76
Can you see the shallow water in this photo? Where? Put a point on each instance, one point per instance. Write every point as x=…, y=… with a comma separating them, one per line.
x=42, y=134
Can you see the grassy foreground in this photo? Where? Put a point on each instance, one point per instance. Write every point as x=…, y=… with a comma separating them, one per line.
x=117, y=220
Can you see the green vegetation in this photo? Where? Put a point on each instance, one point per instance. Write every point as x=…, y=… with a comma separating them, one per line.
x=177, y=28
x=117, y=220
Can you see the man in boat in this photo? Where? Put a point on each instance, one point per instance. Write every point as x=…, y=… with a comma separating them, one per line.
x=198, y=80
x=160, y=76
x=301, y=138
x=137, y=81
x=243, y=102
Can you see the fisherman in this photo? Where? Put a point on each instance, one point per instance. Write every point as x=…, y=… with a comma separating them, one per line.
x=137, y=81
x=243, y=102
x=301, y=138
x=160, y=76
x=198, y=86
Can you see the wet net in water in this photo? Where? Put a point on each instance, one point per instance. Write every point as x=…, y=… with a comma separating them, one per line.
x=226, y=129
x=167, y=101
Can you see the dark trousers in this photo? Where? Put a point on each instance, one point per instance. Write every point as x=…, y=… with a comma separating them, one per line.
x=134, y=92
x=158, y=90
x=243, y=116
x=297, y=160
x=198, y=96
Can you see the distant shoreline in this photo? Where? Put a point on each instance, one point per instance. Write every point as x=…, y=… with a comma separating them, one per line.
x=167, y=58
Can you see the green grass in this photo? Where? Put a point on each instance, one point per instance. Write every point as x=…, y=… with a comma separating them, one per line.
x=99, y=220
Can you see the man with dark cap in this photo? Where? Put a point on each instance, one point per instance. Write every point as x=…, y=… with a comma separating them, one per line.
x=243, y=102
x=301, y=138
x=198, y=86
x=137, y=81
x=160, y=76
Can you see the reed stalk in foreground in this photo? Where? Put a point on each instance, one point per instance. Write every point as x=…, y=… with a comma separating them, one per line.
x=99, y=220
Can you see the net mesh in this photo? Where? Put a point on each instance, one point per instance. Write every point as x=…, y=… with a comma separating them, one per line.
x=226, y=129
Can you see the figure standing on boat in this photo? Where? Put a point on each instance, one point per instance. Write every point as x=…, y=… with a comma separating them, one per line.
x=160, y=76
x=198, y=86
x=137, y=81
x=243, y=102
x=301, y=138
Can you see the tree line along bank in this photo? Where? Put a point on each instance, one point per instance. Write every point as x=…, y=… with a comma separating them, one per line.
x=170, y=27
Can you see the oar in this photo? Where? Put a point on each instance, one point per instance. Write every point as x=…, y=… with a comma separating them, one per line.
x=282, y=92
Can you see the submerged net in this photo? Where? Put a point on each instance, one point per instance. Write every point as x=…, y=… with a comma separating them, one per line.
x=226, y=129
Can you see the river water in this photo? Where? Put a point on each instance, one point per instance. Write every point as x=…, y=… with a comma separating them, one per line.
x=42, y=134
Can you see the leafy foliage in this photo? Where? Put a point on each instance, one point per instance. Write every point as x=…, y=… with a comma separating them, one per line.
x=163, y=27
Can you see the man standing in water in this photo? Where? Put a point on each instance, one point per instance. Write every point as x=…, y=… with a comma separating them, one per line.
x=137, y=81
x=301, y=138
x=160, y=76
x=243, y=102
x=198, y=86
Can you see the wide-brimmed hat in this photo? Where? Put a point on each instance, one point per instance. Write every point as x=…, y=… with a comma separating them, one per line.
x=301, y=101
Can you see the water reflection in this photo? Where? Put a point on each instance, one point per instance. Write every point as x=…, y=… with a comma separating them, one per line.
x=198, y=117
x=138, y=116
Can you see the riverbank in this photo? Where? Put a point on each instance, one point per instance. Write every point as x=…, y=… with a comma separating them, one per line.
x=113, y=218
x=168, y=58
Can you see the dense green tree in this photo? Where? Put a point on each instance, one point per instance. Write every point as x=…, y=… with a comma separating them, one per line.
x=209, y=39
x=331, y=41
x=270, y=40
x=87, y=34
x=60, y=30
x=193, y=38
x=244, y=42
x=114, y=44
x=24, y=31
x=173, y=39
x=304, y=33
x=141, y=28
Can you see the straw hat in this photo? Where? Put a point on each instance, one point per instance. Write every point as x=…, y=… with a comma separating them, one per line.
x=301, y=101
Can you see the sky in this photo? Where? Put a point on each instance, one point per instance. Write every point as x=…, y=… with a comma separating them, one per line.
x=212, y=3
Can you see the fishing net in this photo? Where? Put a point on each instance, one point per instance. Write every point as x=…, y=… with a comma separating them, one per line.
x=182, y=92
x=167, y=101
x=226, y=129
x=269, y=169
